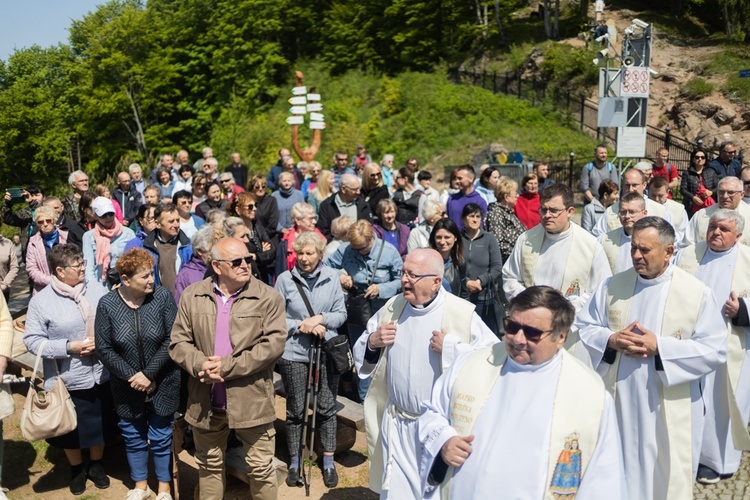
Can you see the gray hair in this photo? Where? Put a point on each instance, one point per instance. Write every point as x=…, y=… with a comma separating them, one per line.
x=226, y=176
x=133, y=166
x=349, y=180
x=634, y=197
x=729, y=215
x=229, y=225
x=384, y=206
x=207, y=150
x=211, y=161
x=216, y=216
x=73, y=178
x=203, y=239
x=664, y=228
x=51, y=198
x=286, y=173
x=301, y=209
x=309, y=238
x=386, y=158
x=431, y=208
x=732, y=179
x=340, y=226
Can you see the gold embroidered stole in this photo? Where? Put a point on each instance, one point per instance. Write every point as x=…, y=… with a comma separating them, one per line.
x=578, y=263
x=680, y=315
x=702, y=217
x=456, y=320
x=613, y=218
x=690, y=259
x=611, y=242
x=577, y=409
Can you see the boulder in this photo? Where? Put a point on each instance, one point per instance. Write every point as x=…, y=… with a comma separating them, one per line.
x=707, y=109
x=724, y=116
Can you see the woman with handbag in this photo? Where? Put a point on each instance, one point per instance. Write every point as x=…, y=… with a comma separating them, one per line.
x=698, y=184
x=315, y=308
x=484, y=265
x=133, y=326
x=60, y=328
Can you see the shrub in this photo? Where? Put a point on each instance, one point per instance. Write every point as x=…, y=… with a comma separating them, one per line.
x=696, y=88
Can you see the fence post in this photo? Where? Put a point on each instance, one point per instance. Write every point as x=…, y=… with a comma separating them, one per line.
x=583, y=108
x=494, y=82
x=519, y=84
x=667, y=137
x=570, y=168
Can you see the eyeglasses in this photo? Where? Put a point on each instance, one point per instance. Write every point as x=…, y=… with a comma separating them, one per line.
x=340, y=159
x=730, y=152
x=532, y=334
x=554, y=212
x=414, y=277
x=633, y=185
x=260, y=186
x=249, y=206
x=746, y=183
x=724, y=192
x=200, y=183
x=44, y=222
x=78, y=266
x=108, y=214
x=699, y=157
x=235, y=263
x=628, y=213
x=375, y=176
x=82, y=181
x=225, y=180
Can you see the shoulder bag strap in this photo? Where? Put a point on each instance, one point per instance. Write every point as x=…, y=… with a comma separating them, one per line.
x=304, y=296
x=377, y=261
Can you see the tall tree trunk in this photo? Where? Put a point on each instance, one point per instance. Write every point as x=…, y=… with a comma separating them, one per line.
x=547, y=20
x=556, y=31
x=137, y=134
x=727, y=20
x=584, y=8
x=500, y=29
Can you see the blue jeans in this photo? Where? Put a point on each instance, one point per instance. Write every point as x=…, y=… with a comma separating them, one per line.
x=137, y=434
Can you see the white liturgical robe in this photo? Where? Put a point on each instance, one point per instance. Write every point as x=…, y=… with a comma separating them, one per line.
x=623, y=261
x=718, y=451
x=512, y=438
x=412, y=369
x=640, y=385
x=551, y=266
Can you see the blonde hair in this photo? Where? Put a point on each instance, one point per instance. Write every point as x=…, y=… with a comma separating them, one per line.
x=309, y=238
x=46, y=212
x=367, y=183
x=360, y=233
x=322, y=191
x=504, y=188
x=286, y=174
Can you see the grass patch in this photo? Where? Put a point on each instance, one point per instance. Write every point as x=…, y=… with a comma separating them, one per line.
x=737, y=89
x=696, y=88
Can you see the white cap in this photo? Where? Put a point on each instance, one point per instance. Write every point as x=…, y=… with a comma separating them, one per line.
x=102, y=205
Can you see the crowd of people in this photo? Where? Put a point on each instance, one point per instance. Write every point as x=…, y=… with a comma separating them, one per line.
x=481, y=304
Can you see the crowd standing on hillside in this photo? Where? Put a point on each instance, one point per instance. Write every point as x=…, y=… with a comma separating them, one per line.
x=219, y=278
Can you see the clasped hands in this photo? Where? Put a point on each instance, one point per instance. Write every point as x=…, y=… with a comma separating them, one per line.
x=211, y=371
x=140, y=382
x=313, y=326
x=635, y=341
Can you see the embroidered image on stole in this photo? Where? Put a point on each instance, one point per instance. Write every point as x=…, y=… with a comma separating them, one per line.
x=567, y=475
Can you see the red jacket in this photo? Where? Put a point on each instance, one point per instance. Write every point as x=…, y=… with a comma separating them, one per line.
x=527, y=209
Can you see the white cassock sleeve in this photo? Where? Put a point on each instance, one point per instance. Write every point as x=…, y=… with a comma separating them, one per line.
x=481, y=336
x=685, y=360
x=690, y=232
x=592, y=322
x=680, y=232
x=513, y=283
x=364, y=368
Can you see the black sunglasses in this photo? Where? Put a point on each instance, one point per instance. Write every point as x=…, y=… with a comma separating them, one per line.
x=532, y=334
x=237, y=262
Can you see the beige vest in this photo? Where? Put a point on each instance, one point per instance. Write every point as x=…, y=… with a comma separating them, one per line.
x=576, y=415
x=577, y=267
x=613, y=217
x=690, y=260
x=683, y=303
x=702, y=217
x=611, y=242
x=457, y=315
x=676, y=212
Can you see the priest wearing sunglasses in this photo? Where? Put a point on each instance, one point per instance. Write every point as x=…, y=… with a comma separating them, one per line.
x=229, y=332
x=523, y=418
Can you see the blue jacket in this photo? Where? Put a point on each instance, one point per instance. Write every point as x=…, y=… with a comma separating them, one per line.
x=184, y=252
x=359, y=267
x=325, y=297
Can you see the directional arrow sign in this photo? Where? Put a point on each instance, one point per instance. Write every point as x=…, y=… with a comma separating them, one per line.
x=298, y=101
x=295, y=120
x=299, y=90
x=317, y=125
x=298, y=110
x=313, y=97
x=314, y=107
x=317, y=117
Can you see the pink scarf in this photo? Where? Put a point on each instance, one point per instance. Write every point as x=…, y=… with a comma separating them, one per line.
x=76, y=293
x=102, y=239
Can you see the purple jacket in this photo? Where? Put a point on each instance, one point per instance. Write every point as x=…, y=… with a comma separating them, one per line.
x=193, y=271
x=457, y=202
x=403, y=236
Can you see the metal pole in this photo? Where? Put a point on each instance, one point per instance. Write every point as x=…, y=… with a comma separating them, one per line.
x=315, y=389
x=570, y=168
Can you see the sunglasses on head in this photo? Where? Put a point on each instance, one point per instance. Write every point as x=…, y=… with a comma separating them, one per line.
x=237, y=262
x=108, y=214
x=532, y=334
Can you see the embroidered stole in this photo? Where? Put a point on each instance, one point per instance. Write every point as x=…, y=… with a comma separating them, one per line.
x=613, y=218
x=457, y=316
x=579, y=262
x=680, y=315
x=737, y=338
x=611, y=242
x=577, y=408
x=702, y=216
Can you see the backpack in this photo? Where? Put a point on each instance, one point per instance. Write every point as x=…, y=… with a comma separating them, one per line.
x=590, y=166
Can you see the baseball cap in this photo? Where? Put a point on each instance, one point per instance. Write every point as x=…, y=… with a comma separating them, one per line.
x=102, y=205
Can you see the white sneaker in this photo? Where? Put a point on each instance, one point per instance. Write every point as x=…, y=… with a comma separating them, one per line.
x=138, y=494
x=164, y=496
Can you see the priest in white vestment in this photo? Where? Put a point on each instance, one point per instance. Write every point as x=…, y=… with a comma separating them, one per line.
x=653, y=332
x=523, y=419
x=616, y=243
x=633, y=181
x=729, y=194
x=407, y=344
x=723, y=264
x=556, y=253
x=745, y=178
x=658, y=192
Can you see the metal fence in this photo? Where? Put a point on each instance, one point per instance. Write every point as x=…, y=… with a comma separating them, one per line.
x=581, y=111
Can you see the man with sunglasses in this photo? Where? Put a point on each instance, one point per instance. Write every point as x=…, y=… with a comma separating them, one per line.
x=726, y=164
x=653, y=333
x=406, y=345
x=524, y=418
x=729, y=193
x=556, y=253
x=229, y=331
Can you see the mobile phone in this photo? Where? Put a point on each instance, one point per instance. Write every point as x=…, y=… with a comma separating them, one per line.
x=16, y=194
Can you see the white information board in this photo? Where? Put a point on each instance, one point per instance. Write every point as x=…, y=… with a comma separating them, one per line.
x=631, y=142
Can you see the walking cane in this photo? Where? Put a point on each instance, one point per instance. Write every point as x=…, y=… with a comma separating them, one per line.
x=313, y=377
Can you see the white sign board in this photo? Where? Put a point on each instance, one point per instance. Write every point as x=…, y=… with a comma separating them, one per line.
x=635, y=82
x=631, y=142
x=613, y=112
x=295, y=120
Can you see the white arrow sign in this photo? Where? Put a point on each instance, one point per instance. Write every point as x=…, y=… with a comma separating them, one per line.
x=299, y=90
x=317, y=117
x=313, y=97
x=298, y=110
x=295, y=120
x=314, y=107
x=298, y=101
x=317, y=125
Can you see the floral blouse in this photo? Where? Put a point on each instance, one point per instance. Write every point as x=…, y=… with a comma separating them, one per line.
x=503, y=223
